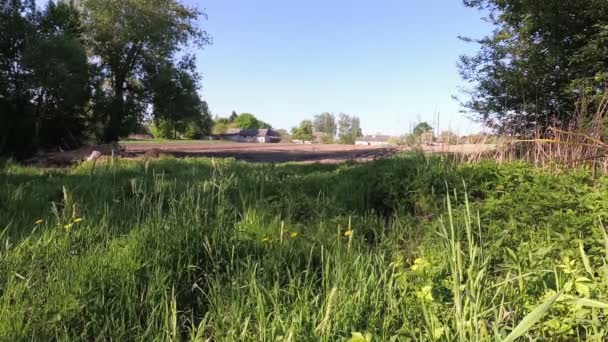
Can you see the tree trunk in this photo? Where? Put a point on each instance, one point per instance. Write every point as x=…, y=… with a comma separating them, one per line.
x=117, y=110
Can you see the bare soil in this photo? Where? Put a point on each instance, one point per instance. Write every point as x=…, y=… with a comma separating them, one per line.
x=252, y=152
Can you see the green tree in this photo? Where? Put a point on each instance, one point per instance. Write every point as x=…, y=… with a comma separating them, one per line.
x=247, y=121
x=199, y=126
x=233, y=116
x=44, y=81
x=349, y=129
x=136, y=43
x=303, y=132
x=540, y=59
x=326, y=124
x=423, y=132
x=176, y=101
x=221, y=125
x=422, y=128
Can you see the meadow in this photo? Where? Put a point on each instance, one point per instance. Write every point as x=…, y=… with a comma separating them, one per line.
x=411, y=248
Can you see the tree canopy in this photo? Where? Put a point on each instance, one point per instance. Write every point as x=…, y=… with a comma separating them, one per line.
x=421, y=128
x=44, y=77
x=542, y=57
x=96, y=69
x=349, y=129
x=136, y=44
x=248, y=121
x=304, y=131
x=326, y=123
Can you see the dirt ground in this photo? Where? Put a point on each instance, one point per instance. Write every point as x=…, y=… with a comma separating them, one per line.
x=263, y=152
x=251, y=152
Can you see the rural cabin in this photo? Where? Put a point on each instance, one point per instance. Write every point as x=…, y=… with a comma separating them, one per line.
x=374, y=140
x=261, y=136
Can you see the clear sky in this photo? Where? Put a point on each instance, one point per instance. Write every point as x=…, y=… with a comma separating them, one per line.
x=388, y=61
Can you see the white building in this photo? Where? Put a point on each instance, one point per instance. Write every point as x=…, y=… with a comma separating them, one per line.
x=261, y=136
x=374, y=140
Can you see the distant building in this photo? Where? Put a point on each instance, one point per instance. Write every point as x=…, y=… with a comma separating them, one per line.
x=261, y=136
x=374, y=140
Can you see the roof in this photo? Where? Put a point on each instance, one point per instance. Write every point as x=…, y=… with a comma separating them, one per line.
x=262, y=132
x=375, y=138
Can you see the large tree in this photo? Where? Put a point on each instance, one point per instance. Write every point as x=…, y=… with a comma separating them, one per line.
x=540, y=59
x=304, y=131
x=44, y=81
x=326, y=123
x=349, y=129
x=136, y=42
x=247, y=121
x=421, y=128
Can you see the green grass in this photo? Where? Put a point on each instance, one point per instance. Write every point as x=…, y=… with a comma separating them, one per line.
x=410, y=248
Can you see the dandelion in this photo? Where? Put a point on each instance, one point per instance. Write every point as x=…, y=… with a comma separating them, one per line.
x=348, y=233
x=294, y=235
x=39, y=221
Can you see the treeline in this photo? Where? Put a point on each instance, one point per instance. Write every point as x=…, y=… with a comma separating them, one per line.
x=545, y=64
x=96, y=69
x=326, y=129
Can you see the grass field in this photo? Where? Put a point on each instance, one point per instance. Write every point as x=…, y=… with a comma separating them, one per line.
x=409, y=248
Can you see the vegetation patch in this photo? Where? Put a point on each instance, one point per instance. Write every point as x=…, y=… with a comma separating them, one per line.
x=408, y=248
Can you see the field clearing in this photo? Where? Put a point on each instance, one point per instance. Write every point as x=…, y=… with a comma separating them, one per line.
x=253, y=152
x=413, y=248
x=284, y=152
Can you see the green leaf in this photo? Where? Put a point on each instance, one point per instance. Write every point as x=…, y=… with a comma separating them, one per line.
x=532, y=318
x=586, y=262
x=582, y=289
x=590, y=303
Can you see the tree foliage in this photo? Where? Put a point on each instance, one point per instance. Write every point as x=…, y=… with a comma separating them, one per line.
x=422, y=128
x=540, y=59
x=304, y=131
x=248, y=121
x=95, y=69
x=349, y=129
x=233, y=116
x=136, y=43
x=44, y=77
x=326, y=123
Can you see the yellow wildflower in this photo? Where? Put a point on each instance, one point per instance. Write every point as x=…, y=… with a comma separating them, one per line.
x=68, y=226
x=348, y=233
x=294, y=235
x=426, y=293
x=39, y=222
x=420, y=264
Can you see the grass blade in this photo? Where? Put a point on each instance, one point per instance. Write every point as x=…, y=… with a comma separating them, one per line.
x=532, y=318
x=590, y=303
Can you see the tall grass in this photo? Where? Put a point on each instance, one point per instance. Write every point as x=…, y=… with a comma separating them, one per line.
x=217, y=250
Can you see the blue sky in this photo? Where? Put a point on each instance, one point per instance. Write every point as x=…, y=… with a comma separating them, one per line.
x=390, y=62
